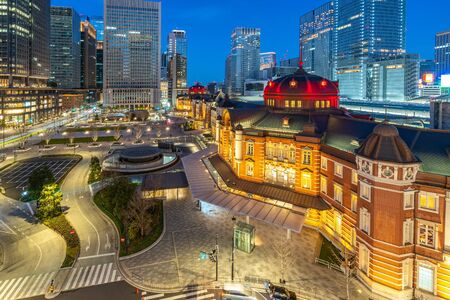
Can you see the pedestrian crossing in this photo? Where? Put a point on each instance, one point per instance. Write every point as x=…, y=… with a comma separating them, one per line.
x=192, y=295
x=79, y=277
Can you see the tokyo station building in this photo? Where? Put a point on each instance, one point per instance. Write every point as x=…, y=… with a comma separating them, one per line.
x=381, y=191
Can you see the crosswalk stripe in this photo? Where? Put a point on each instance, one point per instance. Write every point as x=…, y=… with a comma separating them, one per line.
x=4, y=283
x=12, y=289
x=94, y=279
x=68, y=282
x=7, y=288
x=19, y=288
x=153, y=296
x=208, y=296
x=104, y=267
x=42, y=285
x=84, y=282
x=184, y=296
x=113, y=276
x=106, y=279
x=91, y=272
x=25, y=288
x=30, y=290
x=74, y=284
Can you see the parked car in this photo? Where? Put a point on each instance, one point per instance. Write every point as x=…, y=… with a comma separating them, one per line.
x=2, y=157
x=280, y=293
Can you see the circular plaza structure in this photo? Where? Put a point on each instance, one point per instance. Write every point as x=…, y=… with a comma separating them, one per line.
x=138, y=159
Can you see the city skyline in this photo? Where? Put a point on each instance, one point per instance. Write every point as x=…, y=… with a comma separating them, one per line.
x=217, y=20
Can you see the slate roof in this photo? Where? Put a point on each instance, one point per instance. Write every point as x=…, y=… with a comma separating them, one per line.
x=265, y=189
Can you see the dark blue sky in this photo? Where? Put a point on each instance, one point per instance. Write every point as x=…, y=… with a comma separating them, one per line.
x=210, y=22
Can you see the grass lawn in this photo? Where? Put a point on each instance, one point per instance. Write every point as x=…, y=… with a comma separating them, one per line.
x=327, y=252
x=83, y=129
x=63, y=227
x=139, y=243
x=79, y=140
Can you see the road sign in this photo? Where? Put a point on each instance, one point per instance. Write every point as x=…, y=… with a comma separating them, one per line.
x=203, y=255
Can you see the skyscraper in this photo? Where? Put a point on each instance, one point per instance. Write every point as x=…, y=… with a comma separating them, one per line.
x=365, y=30
x=97, y=22
x=24, y=51
x=88, y=55
x=442, y=53
x=177, y=63
x=316, y=40
x=65, y=47
x=267, y=60
x=99, y=65
x=243, y=62
x=132, y=53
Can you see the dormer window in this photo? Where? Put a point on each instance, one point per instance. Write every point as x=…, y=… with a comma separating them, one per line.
x=286, y=122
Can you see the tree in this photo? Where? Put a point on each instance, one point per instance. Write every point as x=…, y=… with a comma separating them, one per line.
x=49, y=203
x=95, y=170
x=117, y=133
x=39, y=178
x=94, y=135
x=138, y=211
x=138, y=134
x=284, y=251
x=47, y=136
x=347, y=262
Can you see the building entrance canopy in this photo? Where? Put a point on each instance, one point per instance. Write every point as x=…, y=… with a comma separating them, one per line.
x=203, y=187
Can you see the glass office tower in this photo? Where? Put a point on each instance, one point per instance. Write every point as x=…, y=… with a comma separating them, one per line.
x=88, y=45
x=243, y=62
x=365, y=30
x=442, y=54
x=176, y=64
x=132, y=53
x=316, y=40
x=24, y=51
x=65, y=47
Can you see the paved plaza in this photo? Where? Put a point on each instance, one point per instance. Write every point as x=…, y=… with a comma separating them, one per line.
x=174, y=262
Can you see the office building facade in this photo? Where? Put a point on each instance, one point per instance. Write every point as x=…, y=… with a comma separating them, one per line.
x=362, y=31
x=24, y=35
x=243, y=62
x=97, y=22
x=132, y=53
x=442, y=53
x=99, y=65
x=65, y=47
x=88, y=45
x=393, y=79
x=176, y=57
x=316, y=40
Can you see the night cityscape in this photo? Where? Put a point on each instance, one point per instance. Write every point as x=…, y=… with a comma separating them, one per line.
x=226, y=150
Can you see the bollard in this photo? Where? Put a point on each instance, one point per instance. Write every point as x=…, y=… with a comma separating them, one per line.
x=137, y=291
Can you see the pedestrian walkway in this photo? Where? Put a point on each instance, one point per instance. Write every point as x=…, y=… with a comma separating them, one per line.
x=199, y=294
x=34, y=285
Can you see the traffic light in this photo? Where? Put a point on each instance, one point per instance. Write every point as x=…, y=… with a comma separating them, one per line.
x=213, y=256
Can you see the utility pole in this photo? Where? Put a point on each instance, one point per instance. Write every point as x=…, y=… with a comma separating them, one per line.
x=217, y=258
x=232, y=252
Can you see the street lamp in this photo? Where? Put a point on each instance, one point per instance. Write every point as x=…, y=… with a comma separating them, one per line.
x=2, y=121
x=233, y=250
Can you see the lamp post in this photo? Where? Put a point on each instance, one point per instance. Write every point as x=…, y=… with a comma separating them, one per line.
x=2, y=121
x=232, y=251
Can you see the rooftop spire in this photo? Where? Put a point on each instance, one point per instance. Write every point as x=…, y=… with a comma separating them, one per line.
x=300, y=61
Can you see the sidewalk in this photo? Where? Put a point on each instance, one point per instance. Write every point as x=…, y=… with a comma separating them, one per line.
x=173, y=264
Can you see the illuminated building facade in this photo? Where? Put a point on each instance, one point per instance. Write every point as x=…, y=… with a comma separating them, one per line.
x=132, y=54
x=24, y=52
x=442, y=53
x=99, y=65
x=365, y=30
x=88, y=55
x=378, y=190
x=197, y=105
x=393, y=78
x=177, y=63
x=243, y=62
x=316, y=40
x=65, y=47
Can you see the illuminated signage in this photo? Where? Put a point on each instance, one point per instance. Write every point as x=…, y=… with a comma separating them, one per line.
x=445, y=81
x=428, y=77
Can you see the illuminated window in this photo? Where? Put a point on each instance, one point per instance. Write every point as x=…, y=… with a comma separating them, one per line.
x=364, y=220
x=286, y=103
x=408, y=200
x=292, y=154
x=323, y=185
x=354, y=177
x=337, y=193
x=363, y=258
x=426, y=278
x=337, y=223
x=338, y=169
x=299, y=104
x=269, y=149
x=427, y=234
x=317, y=103
x=307, y=157
x=428, y=201
x=250, y=148
x=365, y=191
x=249, y=168
x=306, y=180
x=323, y=163
x=354, y=202
x=293, y=103
x=328, y=104
x=408, y=232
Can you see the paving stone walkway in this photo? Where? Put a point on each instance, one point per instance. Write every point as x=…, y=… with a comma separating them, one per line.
x=174, y=261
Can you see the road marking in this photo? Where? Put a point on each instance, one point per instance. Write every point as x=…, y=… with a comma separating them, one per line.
x=76, y=279
x=40, y=251
x=7, y=288
x=30, y=290
x=8, y=229
x=19, y=288
x=89, y=243
x=11, y=290
x=94, y=279
x=108, y=244
x=31, y=210
x=45, y=280
x=95, y=256
x=108, y=273
x=91, y=271
x=105, y=266
x=113, y=276
x=68, y=282
x=96, y=231
x=196, y=293
x=4, y=283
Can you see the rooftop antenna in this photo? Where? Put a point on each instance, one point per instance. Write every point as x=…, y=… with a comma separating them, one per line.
x=300, y=61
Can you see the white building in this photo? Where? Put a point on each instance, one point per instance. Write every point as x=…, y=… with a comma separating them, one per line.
x=132, y=53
